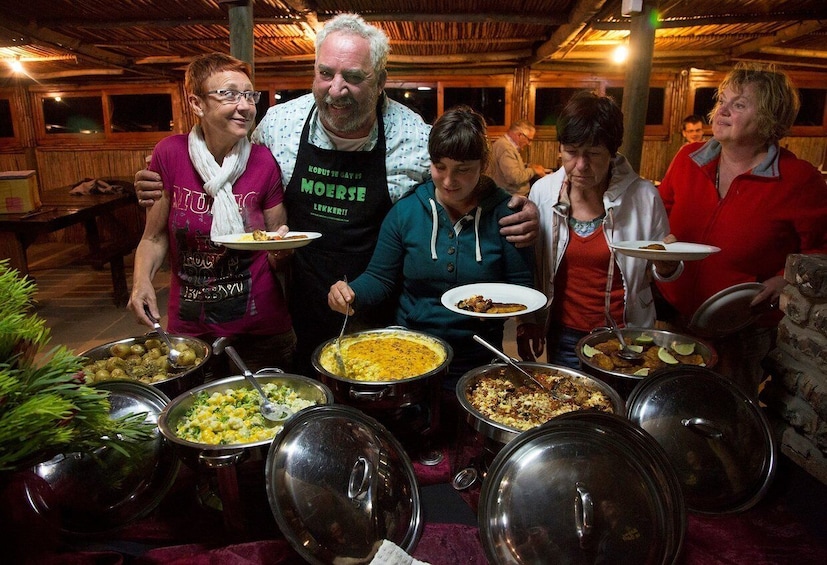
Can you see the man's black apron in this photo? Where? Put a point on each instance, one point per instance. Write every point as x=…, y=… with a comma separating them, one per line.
x=344, y=195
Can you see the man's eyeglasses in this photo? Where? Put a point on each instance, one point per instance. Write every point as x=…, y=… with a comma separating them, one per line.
x=526, y=137
x=234, y=96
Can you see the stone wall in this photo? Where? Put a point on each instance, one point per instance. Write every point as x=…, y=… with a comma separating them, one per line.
x=796, y=394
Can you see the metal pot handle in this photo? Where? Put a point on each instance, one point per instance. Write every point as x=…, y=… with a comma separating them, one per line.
x=583, y=514
x=703, y=427
x=360, y=477
x=223, y=460
x=367, y=395
x=268, y=370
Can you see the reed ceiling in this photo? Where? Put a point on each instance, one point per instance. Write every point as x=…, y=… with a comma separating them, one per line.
x=59, y=40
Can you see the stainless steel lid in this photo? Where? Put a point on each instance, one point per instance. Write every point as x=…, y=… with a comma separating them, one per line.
x=108, y=489
x=585, y=487
x=339, y=483
x=718, y=439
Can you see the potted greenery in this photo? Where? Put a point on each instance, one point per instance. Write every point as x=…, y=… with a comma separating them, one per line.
x=46, y=408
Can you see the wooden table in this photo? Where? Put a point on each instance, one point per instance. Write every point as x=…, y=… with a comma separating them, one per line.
x=60, y=210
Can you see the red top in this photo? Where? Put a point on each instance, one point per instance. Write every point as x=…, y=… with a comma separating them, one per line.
x=778, y=208
x=581, y=282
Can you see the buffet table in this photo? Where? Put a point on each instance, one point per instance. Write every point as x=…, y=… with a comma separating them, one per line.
x=787, y=526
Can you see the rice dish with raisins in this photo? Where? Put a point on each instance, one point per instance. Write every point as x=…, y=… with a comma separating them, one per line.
x=523, y=407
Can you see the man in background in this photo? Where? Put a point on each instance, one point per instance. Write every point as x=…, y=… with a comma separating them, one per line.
x=693, y=129
x=507, y=167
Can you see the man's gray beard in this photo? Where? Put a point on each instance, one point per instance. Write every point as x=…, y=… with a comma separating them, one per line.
x=352, y=124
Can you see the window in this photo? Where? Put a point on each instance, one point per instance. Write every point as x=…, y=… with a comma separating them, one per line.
x=141, y=112
x=655, y=110
x=271, y=96
x=704, y=101
x=6, y=123
x=75, y=114
x=490, y=101
x=549, y=103
x=96, y=115
x=812, y=107
x=421, y=99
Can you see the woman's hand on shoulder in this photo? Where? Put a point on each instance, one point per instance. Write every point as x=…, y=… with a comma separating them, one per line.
x=522, y=227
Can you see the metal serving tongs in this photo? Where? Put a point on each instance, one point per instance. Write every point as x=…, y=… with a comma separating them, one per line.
x=510, y=360
x=625, y=351
x=338, y=352
x=271, y=411
x=174, y=354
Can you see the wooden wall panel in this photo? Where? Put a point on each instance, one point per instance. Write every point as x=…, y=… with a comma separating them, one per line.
x=808, y=148
x=66, y=167
x=13, y=162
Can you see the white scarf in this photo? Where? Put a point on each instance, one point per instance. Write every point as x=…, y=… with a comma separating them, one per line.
x=218, y=180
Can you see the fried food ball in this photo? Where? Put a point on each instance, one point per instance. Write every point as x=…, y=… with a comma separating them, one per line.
x=603, y=361
x=608, y=346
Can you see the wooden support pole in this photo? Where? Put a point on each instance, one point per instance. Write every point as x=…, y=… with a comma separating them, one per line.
x=636, y=85
x=241, y=31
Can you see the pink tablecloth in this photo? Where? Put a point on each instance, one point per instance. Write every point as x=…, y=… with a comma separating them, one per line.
x=179, y=531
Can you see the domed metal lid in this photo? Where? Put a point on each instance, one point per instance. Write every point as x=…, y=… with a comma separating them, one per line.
x=718, y=439
x=339, y=483
x=107, y=490
x=585, y=487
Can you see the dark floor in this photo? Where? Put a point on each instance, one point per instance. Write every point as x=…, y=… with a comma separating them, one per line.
x=76, y=300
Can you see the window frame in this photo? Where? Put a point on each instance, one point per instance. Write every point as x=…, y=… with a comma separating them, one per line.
x=600, y=84
x=14, y=143
x=40, y=93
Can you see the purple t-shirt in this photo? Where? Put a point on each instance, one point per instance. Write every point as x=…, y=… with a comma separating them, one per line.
x=214, y=290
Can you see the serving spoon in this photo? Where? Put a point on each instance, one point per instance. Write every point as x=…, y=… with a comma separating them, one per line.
x=174, y=354
x=272, y=411
x=338, y=352
x=510, y=360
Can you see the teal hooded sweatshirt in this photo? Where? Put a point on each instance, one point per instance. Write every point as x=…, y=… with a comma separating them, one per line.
x=421, y=254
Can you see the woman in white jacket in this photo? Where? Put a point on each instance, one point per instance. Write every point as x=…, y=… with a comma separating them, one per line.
x=593, y=200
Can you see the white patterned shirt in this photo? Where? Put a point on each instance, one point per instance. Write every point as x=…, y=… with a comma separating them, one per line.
x=406, y=137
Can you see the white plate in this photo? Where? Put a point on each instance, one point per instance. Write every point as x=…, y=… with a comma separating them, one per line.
x=498, y=292
x=727, y=311
x=239, y=241
x=678, y=251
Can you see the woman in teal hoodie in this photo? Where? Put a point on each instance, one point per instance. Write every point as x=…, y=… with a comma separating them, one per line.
x=442, y=235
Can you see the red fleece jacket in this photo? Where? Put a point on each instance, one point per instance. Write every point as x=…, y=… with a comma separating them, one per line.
x=778, y=208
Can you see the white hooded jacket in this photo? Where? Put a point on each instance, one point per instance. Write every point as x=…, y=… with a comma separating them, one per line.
x=634, y=211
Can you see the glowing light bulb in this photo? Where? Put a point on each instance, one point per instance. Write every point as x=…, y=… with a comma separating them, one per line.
x=17, y=66
x=621, y=53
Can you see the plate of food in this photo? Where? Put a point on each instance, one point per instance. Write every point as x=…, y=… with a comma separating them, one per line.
x=660, y=251
x=260, y=240
x=493, y=300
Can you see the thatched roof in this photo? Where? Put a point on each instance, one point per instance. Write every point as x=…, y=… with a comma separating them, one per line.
x=72, y=40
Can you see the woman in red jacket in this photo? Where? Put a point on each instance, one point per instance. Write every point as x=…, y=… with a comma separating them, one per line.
x=741, y=191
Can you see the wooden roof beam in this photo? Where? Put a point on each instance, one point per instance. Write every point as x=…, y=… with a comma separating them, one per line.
x=700, y=21
x=581, y=15
x=786, y=34
x=49, y=38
